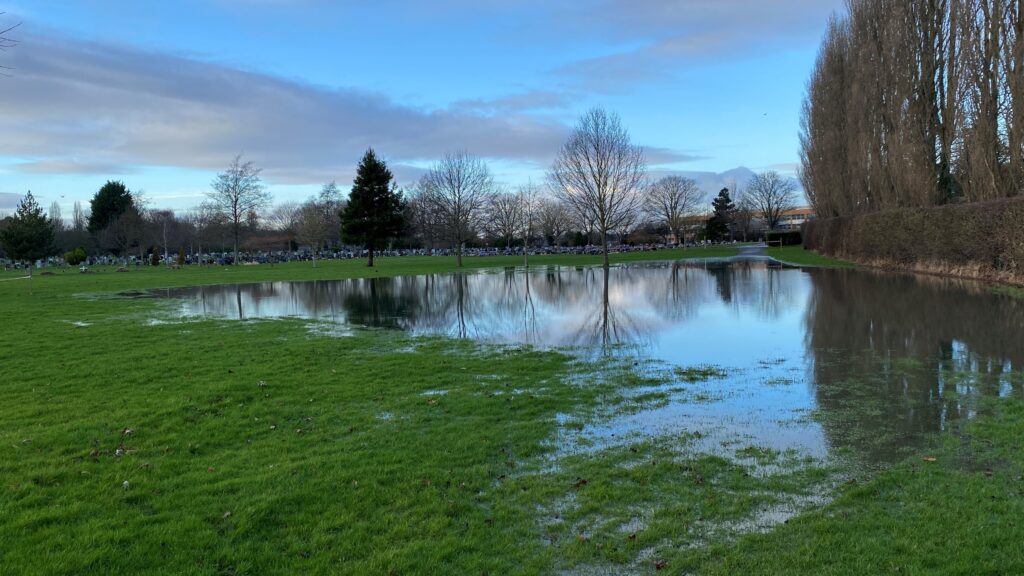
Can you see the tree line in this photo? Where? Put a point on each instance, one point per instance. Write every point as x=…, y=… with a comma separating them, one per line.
x=915, y=103
x=597, y=189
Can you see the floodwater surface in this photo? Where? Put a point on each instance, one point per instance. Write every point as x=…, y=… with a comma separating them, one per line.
x=817, y=361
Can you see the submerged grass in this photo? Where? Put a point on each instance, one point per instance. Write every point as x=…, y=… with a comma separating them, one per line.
x=1011, y=291
x=955, y=511
x=265, y=447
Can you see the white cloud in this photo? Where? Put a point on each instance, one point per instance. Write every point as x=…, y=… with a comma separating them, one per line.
x=82, y=107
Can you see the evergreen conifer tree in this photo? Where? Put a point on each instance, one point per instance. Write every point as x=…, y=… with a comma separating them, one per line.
x=109, y=203
x=376, y=210
x=29, y=233
x=718, y=225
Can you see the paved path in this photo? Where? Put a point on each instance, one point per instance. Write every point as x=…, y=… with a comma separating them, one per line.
x=753, y=250
x=750, y=253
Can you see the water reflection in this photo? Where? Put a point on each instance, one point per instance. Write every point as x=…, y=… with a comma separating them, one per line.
x=883, y=359
x=903, y=356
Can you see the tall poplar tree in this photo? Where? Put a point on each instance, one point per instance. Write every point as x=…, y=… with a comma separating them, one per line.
x=376, y=209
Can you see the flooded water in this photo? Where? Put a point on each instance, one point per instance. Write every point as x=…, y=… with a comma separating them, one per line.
x=818, y=361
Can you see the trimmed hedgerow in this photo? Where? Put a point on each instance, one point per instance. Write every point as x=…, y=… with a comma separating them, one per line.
x=982, y=240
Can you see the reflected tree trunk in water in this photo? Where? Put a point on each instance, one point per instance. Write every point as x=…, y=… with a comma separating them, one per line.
x=316, y=300
x=238, y=300
x=605, y=312
x=460, y=305
x=374, y=302
x=529, y=313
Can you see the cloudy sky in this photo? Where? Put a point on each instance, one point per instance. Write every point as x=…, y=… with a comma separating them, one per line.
x=162, y=94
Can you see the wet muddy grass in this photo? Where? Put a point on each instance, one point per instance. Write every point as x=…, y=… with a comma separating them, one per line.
x=265, y=447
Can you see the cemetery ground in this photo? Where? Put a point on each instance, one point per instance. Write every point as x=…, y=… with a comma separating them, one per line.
x=132, y=446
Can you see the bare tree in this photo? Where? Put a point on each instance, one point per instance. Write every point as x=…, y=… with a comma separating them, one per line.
x=331, y=203
x=424, y=218
x=600, y=173
x=504, y=216
x=55, y=217
x=553, y=219
x=239, y=194
x=529, y=205
x=6, y=42
x=313, y=225
x=1013, y=74
x=772, y=195
x=166, y=229
x=283, y=217
x=915, y=103
x=671, y=200
x=124, y=231
x=457, y=188
x=79, y=220
x=205, y=219
x=743, y=217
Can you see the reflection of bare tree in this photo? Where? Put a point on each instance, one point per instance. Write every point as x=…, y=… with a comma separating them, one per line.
x=552, y=306
x=529, y=311
x=606, y=325
x=460, y=304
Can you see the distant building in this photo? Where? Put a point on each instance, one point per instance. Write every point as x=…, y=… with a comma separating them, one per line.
x=792, y=219
x=694, y=226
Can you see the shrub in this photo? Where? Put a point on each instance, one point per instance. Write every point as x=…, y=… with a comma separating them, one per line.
x=75, y=257
x=979, y=240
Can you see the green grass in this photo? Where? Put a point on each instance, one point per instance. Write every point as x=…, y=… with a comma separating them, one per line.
x=800, y=256
x=957, y=510
x=261, y=447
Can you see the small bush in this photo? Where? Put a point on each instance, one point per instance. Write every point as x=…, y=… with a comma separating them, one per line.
x=75, y=257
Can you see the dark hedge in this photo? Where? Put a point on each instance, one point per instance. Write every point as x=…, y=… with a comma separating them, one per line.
x=978, y=240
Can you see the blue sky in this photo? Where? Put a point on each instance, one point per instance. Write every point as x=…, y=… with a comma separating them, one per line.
x=163, y=94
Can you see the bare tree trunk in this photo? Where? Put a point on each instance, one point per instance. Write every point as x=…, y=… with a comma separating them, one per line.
x=369, y=260
x=1014, y=77
x=604, y=248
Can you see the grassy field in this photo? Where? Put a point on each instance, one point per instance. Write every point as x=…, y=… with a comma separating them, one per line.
x=136, y=447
